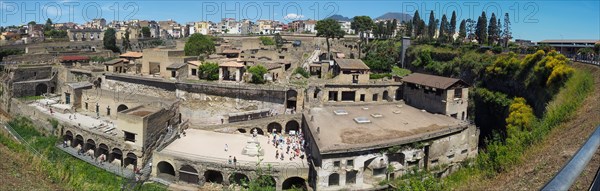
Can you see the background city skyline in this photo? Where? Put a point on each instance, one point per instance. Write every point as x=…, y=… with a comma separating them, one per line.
x=531, y=20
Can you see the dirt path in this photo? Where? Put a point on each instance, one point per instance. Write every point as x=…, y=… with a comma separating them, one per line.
x=544, y=160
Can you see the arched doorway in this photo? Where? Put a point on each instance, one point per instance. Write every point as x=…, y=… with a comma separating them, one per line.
x=386, y=96
x=122, y=107
x=239, y=179
x=68, y=137
x=213, y=176
x=258, y=131
x=274, y=127
x=41, y=89
x=294, y=183
x=130, y=159
x=90, y=145
x=334, y=179
x=188, y=174
x=292, y=126
x=291, y=97
x=165, y=168
x=102, y=149
x=116, y=154
x=78, y=141
x=351, y=177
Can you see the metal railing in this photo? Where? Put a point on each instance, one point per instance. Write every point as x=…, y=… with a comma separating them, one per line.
x=570, y=172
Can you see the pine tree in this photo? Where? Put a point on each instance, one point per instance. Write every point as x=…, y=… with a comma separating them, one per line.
x=415, y=24
x=481, y=29
x=409, y=28
x=453, y=23
x=492, y=30
x=462, y=31
x=470, y=26
x=432, y=26
x=507, y=35
x=443, y=32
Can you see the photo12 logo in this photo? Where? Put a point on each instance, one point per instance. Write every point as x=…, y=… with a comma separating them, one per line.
x=269, y=10
x=65, y=11
x=527, y=11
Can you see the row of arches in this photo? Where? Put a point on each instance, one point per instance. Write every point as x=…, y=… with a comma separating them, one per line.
x=276, y=127
x=97, y=150
x=190, y=175
x=334, y=178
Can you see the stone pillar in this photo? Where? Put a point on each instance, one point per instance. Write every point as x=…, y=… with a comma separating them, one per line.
x=237, y=75
x=220, y=73
x=339, y=96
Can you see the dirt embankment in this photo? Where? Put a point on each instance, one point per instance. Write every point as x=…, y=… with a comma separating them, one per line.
x=544, y=160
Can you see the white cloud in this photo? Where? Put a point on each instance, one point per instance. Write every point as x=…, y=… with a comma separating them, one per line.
x=293, y=16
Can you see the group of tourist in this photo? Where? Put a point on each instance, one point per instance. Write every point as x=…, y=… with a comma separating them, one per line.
x=291, y=145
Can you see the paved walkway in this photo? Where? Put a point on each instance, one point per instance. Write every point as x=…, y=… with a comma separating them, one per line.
x=115, y=169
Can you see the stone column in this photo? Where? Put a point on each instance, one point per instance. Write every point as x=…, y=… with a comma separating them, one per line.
x=237, y=75
x=220, y=73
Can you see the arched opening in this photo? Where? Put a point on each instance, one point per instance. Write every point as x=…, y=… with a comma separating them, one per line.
x=291, y=99
x=116, y=156
x=188, y=174
x=274, y=127
x=399, y=94
x=334, y=179
x=90, y=145
x=102, y=149
x=165, y=168
x=258, y=131
x=130, y=159
x=294, y=183
x=41, y=89
x=241, y=130
x=386, y=96
x=351, y=177
x=213, y=176
x=68, y=137
x=239, y=179
x=292, y=126
x=266, y=181
x=78, y=141
x=122, y=107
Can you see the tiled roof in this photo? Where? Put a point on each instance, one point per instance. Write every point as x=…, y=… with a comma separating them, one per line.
x=132, y=55
x=439, y=82
x=351, y=64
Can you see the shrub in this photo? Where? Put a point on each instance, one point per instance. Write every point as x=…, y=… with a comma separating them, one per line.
x=267, y=41
x=302, y=72
x=257, y=72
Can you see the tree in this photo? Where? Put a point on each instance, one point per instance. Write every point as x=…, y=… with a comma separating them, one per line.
x=481, y=29
x=110, y=40
x=48, y=25
x=470, y=27
x=362, y=25
x=146, y=32
x=432, y=26
x=199, y=45
x=31, y=23
x=443, y=32
x=493, y=30
x=208, y=71
x=126, y=44
x=462, y=31
x=507, y=35
x=415, y=22
x=453, y=23
x=329, y=29
x=257, y=71
x=409, y=29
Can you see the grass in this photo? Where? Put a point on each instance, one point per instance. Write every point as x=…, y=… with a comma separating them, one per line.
x=32, y=98
x=61, y=167
x=501, y=155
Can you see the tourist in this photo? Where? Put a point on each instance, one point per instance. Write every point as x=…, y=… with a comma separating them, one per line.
x=226, y=147
x=229, y=161
x=234, y=161
x=276, y=154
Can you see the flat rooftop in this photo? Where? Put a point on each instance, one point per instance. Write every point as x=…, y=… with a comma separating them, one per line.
x=209, y=146
x=354, y=128
x=141, y=111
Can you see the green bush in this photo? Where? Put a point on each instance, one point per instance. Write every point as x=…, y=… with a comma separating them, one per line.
x=267, y=40
x=379, y=75
x=257, y=72
x=208, y=71
x=302, y=72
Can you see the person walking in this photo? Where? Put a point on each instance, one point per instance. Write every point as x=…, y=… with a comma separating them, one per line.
x=226, y=147
x=234, y=161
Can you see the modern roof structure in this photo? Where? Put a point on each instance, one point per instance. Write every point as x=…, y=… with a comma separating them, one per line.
x=113, y=62
x=176, y=66
x=439, y=82
x=351, y=64
x=356, y=128
x=231, y=64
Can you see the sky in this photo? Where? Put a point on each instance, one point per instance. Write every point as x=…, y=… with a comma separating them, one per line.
x=531, y=20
